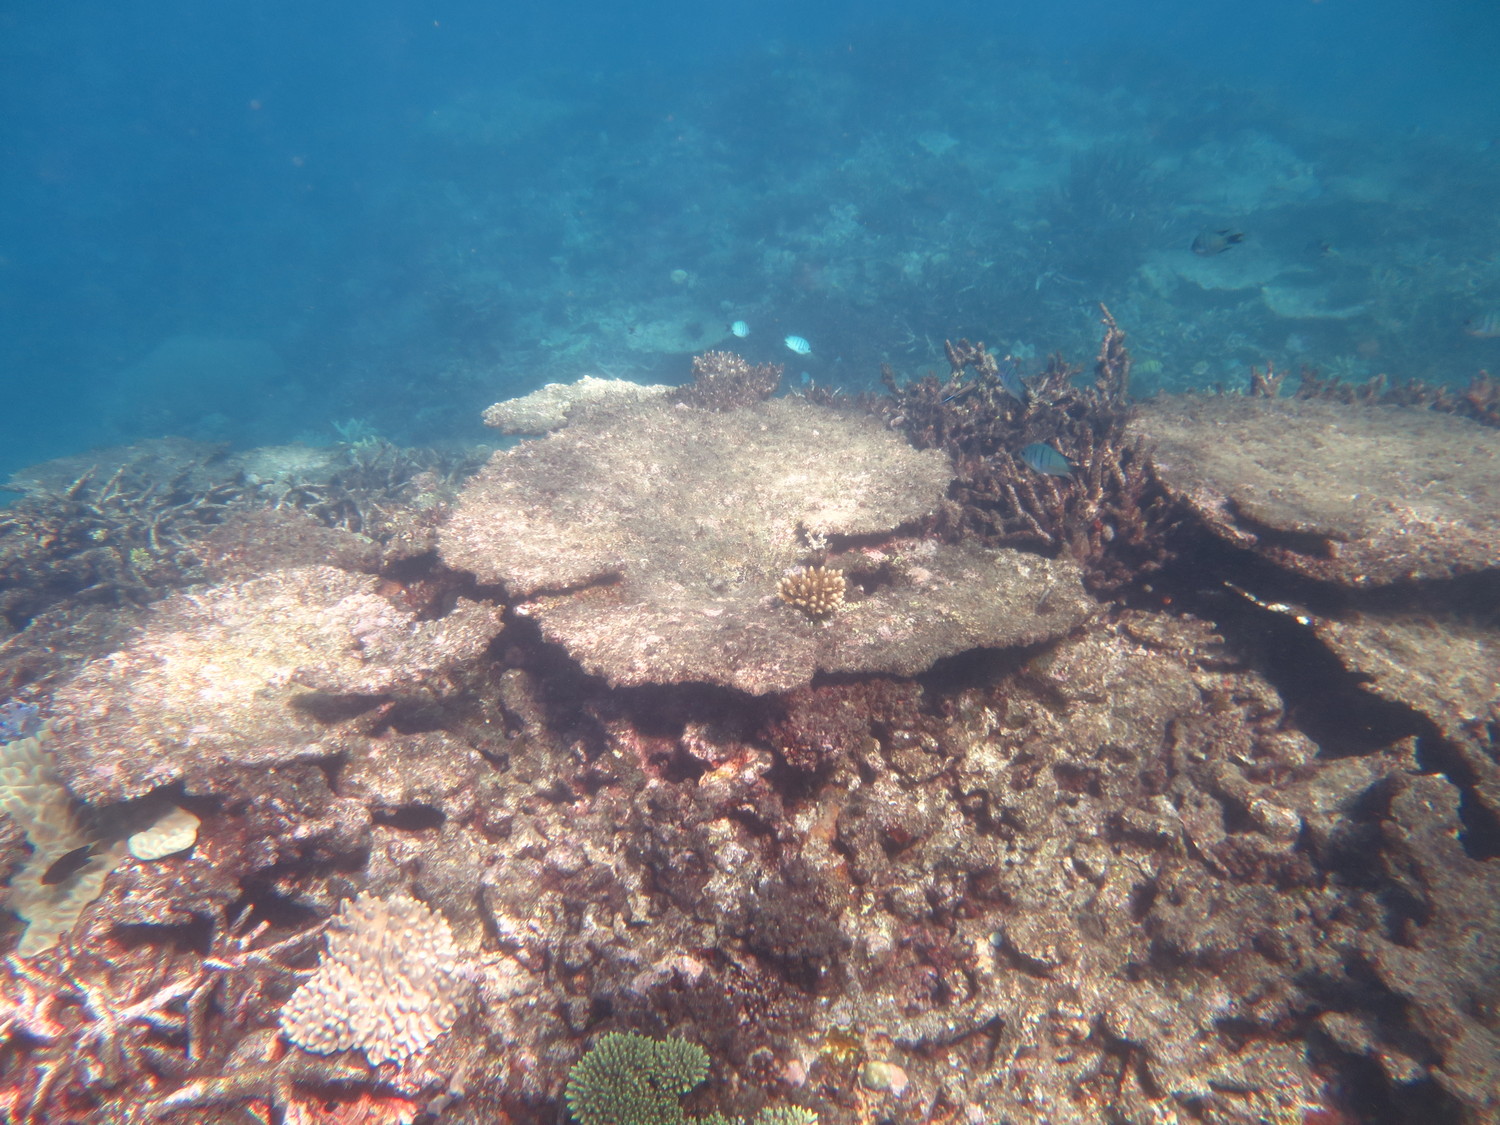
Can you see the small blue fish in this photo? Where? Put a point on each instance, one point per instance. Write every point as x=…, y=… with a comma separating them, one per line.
x=1010, y=381
x=740, y=329
x=1045, y=460
x=799, y=345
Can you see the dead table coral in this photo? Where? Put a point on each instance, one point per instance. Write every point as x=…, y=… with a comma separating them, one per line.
x=651, y=541
x=232, y=676
x=1348, y=494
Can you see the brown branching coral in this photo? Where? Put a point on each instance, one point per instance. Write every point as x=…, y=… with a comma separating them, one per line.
x=816, y=590
x=115, y=533
x=1479, y=401
x=725, y=381
x=1110, y=516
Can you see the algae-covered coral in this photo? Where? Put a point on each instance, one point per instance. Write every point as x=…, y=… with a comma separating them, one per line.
x=651, y=542
x=1207, y=838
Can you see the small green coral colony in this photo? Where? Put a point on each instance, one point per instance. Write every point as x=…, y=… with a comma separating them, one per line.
x=628, y=1079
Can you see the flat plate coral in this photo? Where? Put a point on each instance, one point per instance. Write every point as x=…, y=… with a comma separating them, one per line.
x=211, y=680
x=650, y=542
x=1357, y=495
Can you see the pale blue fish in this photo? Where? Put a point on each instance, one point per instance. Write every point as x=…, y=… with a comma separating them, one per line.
x=740, y=329
x=1045, y=460
x=799, y=345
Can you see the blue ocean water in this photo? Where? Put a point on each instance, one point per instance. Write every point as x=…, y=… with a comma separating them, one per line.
x=283, y=222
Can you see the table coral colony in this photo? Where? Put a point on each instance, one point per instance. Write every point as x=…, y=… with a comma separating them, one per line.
x=711, y=756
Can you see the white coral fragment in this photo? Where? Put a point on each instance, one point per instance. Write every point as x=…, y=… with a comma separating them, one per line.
x=176, y=831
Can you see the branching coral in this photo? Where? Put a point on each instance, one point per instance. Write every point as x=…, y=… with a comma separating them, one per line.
x=816, y=590
x=1110, y=516
x=628, y=1079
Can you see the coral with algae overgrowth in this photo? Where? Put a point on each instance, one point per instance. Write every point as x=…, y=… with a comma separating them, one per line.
x=651, y=541
x=250, y=673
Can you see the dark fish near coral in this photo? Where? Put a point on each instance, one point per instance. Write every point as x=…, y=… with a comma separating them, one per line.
x=1211, y=242
x=1485, y=326
x=68, y=864
x=1046, y=460
x=1010, y=381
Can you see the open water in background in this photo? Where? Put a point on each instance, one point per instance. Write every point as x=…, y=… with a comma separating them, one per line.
x=253, y=222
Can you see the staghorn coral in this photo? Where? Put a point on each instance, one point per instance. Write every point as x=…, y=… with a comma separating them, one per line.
x=95, y=1023
x=1110, y=517
x=815, y=590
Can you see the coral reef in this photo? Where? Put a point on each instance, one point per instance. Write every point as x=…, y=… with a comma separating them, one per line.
x=815, y=590
x=659, y=558
x=551, y=407
x=1478, y=401
x=1109, y=516
x=1360, y=496
x=975, y=846
x=248, y=674
x=725, y=381
x=128, y=526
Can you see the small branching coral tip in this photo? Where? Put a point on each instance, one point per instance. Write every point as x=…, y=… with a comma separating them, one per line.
x=815, y=590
